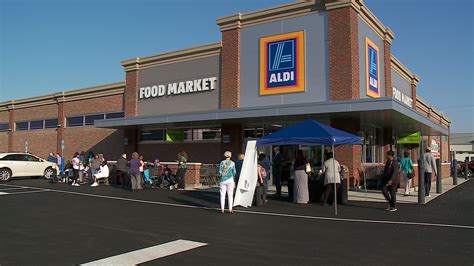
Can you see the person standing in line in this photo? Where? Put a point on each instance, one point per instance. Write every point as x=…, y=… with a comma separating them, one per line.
x=390, y=181
x=76, y=166
x=226, y=181
x=300, y=189
x=134, y=169
x=182, y=167
x=406, y=167
x=261, y=189
x=59, y=163
x=142, y=170
x=52, y=159
x=122, y=169
x=238, y=167
x=277, y=164
x=332, y=176
x=429, y=163
x=94, y=166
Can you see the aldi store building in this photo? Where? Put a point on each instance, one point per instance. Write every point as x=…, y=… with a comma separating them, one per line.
x=325, y=60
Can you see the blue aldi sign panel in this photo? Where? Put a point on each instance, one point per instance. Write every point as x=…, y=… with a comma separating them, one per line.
x=372, y=68
x=282, y=63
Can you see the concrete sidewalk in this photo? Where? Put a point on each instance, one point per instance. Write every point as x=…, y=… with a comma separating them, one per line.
x=376, y=196
x=372, y=195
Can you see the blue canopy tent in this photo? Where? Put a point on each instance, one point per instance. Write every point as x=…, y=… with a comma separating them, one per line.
x=310, y=132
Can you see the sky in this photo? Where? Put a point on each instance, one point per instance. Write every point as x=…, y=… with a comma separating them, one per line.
x=48, y=46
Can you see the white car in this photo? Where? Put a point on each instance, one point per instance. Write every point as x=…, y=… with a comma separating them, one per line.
x=24, y=165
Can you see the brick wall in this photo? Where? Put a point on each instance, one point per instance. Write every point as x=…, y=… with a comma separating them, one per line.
x=387, y=68
x=343, y=54
x=413, y=95
x=197, y=152
x=36, y=113
x=230, y=69
x=192, y=178
x=99, y=140
x=105, y=104
x=235, y=132
x=11, y=134
x=4, y=117
x=40, y=142
x=130, y=99
x=60, y=130
x=3, y=141
x=4, y=135
x=349, y=155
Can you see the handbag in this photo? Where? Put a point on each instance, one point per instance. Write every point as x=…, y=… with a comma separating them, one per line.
x=410, y=175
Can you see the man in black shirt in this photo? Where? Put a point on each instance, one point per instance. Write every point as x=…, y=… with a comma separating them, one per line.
x=390, y=181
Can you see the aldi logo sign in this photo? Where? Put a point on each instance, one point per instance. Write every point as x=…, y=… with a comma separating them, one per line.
x=372, y=68
x=282, y=63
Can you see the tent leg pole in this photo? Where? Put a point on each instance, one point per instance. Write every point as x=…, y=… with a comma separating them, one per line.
x=335, y=184
x=365, y=181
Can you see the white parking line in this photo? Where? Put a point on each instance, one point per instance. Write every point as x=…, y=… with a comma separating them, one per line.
x=23, y=192
x=12, y=188
x=148, y=254
x=264, y=213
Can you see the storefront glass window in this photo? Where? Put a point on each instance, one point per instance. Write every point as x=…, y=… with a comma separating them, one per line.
x=38, y=124
x=206, y=134
x=152, y=135
x=114, y=115
x=373, y=144
x=270, y=128
x=253, y=132
x=89, y=120
x=21, y=126
x=75, y=121
x=4, y=127
x=188, y=134
x=51, y=123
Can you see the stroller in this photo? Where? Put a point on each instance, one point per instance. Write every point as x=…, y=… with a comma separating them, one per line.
x=168, y=179
x=149, y=180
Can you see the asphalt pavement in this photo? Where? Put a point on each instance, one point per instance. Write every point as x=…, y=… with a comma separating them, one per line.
x=56, y=224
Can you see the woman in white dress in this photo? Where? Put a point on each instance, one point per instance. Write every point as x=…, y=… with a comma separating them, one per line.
x=300, y=188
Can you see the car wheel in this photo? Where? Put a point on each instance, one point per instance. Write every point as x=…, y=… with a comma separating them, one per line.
x=48, y=173
x=5, y=174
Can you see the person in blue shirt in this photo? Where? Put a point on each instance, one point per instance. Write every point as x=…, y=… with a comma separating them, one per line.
x=226, y=181
x=238, y=167
x=406, y=167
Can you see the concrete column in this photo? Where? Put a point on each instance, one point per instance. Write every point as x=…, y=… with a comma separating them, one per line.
x=60, y=129
x=11, y=133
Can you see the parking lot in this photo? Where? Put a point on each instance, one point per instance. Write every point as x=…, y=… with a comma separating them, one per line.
x=56, y=224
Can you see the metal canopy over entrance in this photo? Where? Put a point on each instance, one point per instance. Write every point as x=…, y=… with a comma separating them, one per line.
x=384, y=112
